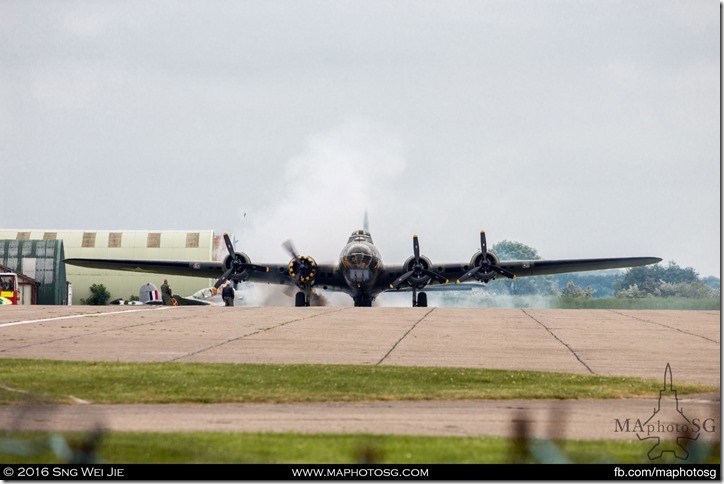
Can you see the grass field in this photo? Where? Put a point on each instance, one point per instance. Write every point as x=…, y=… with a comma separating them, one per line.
x=102, y=382
x=267, y=448
x=652, y=303
x=553, y=302
x=23, y=380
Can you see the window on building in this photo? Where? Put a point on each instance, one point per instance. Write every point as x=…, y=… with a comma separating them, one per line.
x=154, y=240
x=114, y=239
x=23, y=236
x=50, y=235
x=192, y=240
x=89, y=239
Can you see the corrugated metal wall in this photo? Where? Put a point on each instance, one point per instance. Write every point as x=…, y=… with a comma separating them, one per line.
x=41, y=260
x=120, y=244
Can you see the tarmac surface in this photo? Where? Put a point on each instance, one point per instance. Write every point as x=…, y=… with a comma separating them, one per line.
x=603, y=342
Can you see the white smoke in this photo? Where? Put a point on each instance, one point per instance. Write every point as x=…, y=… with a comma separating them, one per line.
x=324, y=192
x=323, y=195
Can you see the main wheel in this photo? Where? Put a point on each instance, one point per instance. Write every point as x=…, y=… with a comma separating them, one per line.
x=422, y=300
x=300, y=299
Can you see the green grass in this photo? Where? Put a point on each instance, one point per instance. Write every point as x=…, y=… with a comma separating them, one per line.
x=657, y=303
x=104, y=382
x=263, y=448
x=553, y=302
x=55, y=381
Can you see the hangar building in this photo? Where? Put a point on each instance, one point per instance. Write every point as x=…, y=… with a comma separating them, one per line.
x=108, y=244
x=39, y=261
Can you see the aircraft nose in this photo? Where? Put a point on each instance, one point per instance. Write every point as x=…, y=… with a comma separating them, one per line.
x=359, y=275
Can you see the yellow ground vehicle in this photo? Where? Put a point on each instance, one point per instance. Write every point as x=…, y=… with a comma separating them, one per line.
x=9, y=288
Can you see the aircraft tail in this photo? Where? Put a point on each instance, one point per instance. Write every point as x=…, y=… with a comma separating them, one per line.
x=148, y=293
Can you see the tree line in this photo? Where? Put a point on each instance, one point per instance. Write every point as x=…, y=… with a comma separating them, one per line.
x=656, y=280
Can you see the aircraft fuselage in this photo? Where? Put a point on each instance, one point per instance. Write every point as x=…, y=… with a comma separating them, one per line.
x=360, y=263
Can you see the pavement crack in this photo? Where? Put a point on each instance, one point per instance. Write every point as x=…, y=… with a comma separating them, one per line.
x=560, y=341
x=689, y=333
x=404, y=336
x=258, y=331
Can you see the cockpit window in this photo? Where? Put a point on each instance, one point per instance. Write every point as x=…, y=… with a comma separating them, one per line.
x=360, y=236
x=358, y=256
x=360, y=261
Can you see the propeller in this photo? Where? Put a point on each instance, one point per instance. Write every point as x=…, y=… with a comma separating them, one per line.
x=418, y=269
x=484, y=266
x=238, y=264
x=302, y=268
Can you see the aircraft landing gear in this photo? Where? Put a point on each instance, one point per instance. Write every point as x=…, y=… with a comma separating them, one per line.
x=301, y=299
x=419, y=300
x=363, y=302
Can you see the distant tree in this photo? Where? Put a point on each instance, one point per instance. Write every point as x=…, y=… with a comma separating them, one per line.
x=509, y=250
x=99, y=296
x=712, y=281
x=601, y=282
x=694, y=290
x=631, y=292
x=649, y=277
x=572, y=290
x=665, y=281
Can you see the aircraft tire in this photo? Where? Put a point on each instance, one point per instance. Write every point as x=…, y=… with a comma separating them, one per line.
x=422, y=300
x=299, y=299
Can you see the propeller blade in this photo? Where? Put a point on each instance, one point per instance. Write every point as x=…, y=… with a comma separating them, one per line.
x=229, y=245
x=438, y=277
x=290, y=291
x=224, y=277
x=289, y=246
x=416, y=248
x=504, y=272
x=483, y=245
x=468, y=274
x=401, y=279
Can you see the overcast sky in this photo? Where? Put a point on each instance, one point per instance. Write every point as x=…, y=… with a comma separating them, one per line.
x=580, y=128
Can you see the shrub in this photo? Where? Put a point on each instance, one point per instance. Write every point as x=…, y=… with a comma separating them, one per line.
x=99, y=296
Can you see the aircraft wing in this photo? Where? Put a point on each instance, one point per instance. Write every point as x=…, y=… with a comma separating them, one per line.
x=206, y=269
x=277, y=274
x=327, y=275
x=522, y=268
x=545, y=267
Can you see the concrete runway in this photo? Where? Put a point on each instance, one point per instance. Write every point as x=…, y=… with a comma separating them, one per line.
x=602, y=342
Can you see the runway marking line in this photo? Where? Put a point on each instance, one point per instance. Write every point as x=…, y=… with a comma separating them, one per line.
x=32, y=321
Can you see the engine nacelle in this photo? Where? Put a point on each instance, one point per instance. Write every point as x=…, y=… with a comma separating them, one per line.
x=238, y=274
x=409, y=265
x=477, y=260
x=303, y=269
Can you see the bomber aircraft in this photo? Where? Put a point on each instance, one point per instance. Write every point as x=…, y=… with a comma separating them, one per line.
x=360, y=272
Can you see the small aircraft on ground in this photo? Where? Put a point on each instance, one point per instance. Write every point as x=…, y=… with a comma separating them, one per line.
x=360, y=272
x=151, y=296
